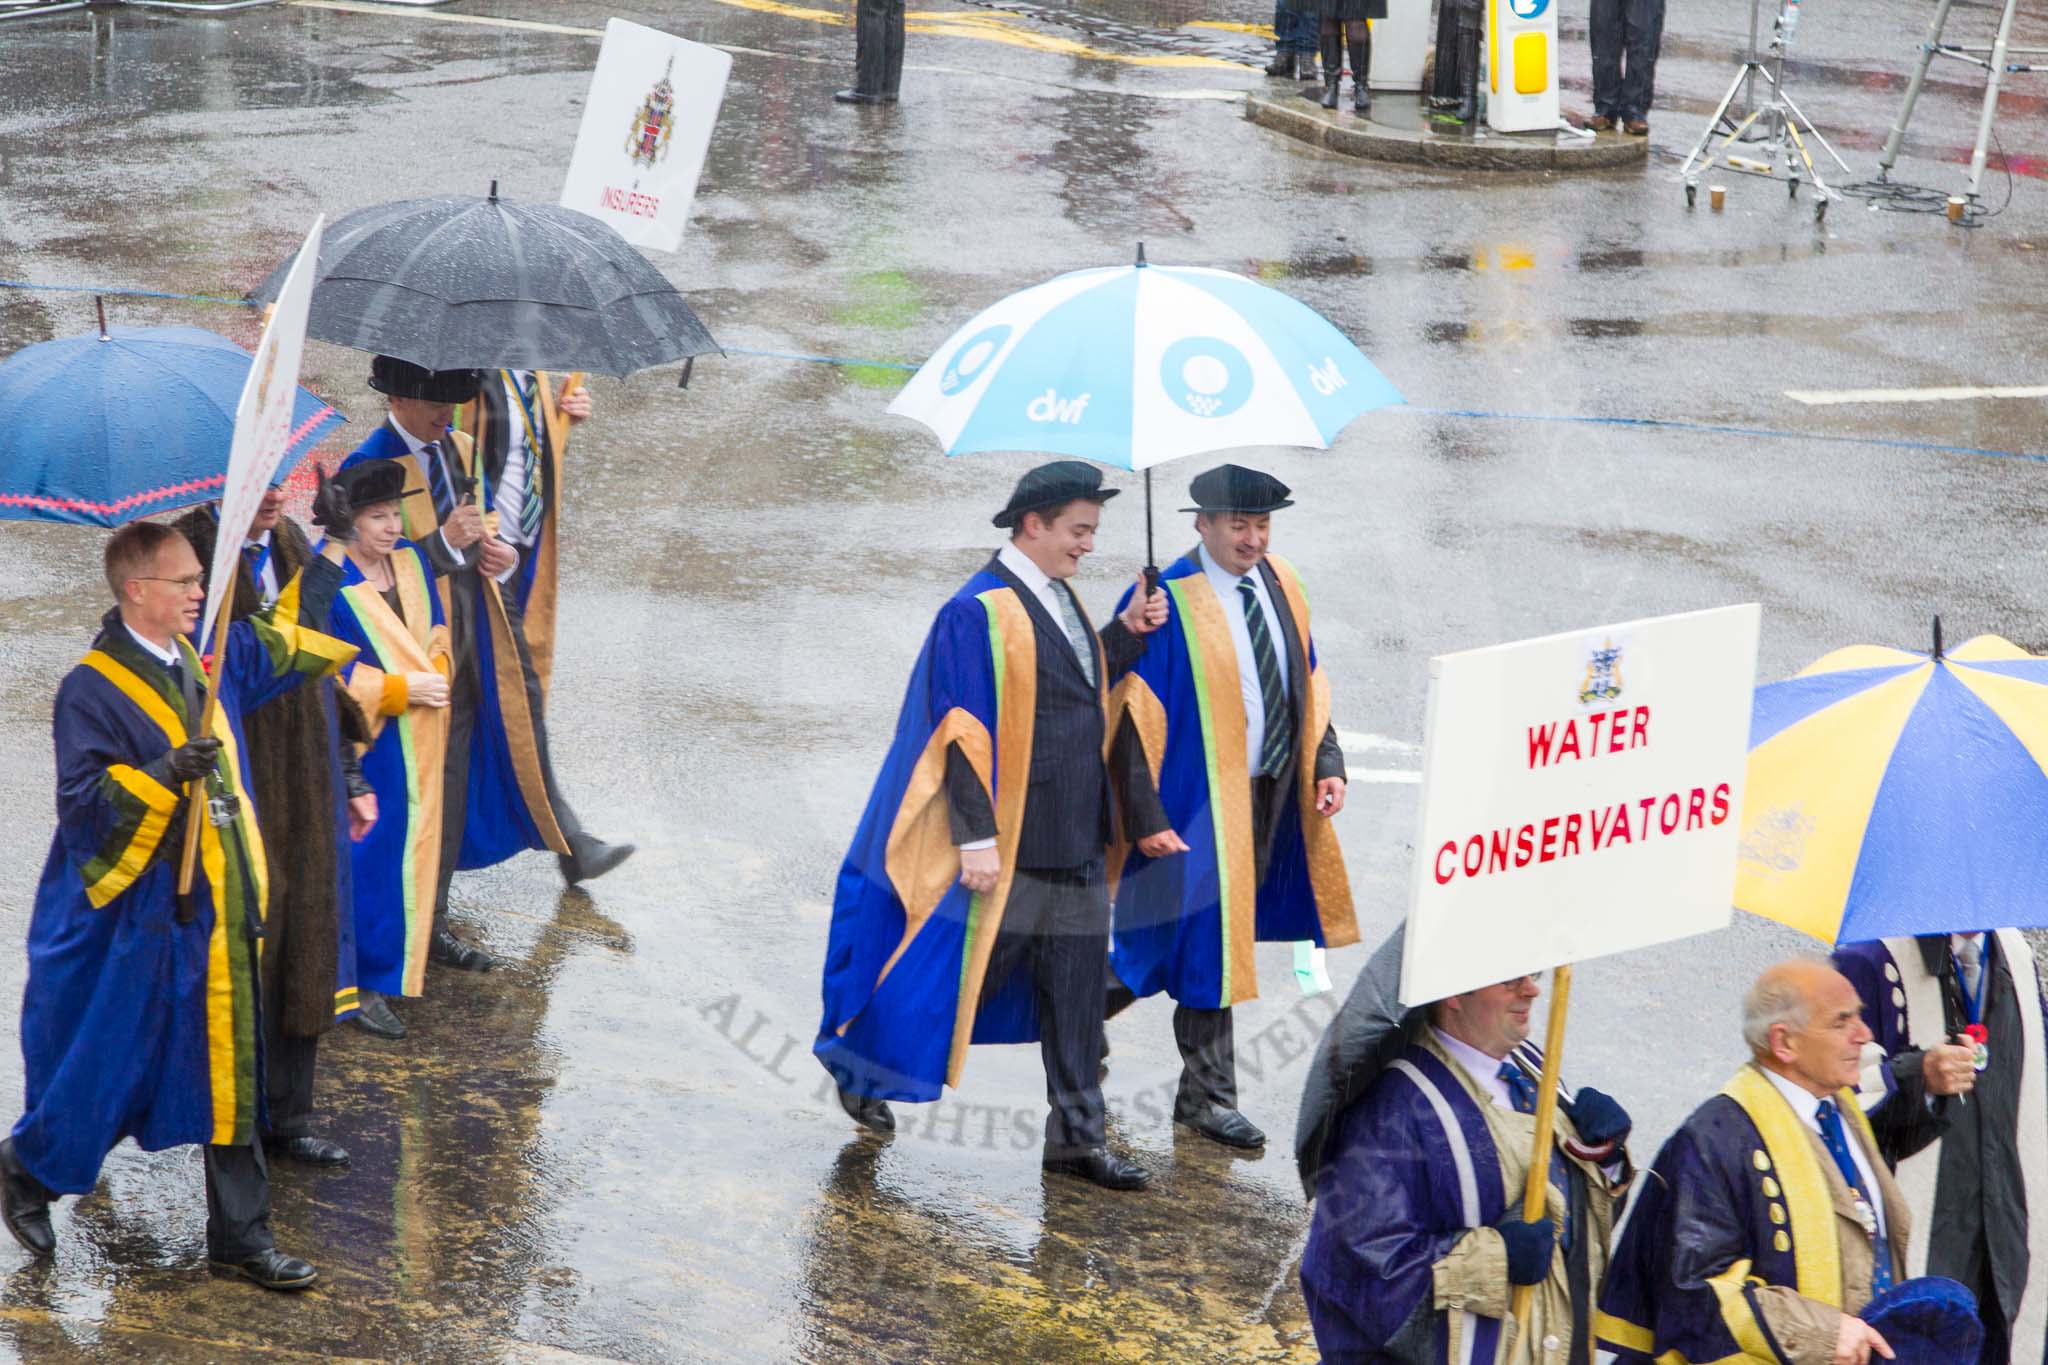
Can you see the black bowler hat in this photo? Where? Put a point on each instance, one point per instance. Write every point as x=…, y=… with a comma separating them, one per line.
x=1233, y=488
x=372, y=482
x=1052, y=485
x=403, y=379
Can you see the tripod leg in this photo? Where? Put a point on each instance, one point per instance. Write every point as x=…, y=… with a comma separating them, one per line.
x=1887, y=158
x=1996, y=78
x=1720, y=112
x=1800, y=117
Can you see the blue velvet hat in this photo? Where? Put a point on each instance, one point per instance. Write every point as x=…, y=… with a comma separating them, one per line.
x=1928, y=1321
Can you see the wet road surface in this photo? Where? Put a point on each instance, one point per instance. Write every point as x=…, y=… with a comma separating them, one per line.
x=617, y=1147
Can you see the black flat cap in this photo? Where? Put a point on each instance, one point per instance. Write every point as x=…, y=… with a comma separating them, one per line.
x=403, y=379
x=1051, y=485
x=1233, y=488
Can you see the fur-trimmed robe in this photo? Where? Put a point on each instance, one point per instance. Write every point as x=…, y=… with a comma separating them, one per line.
x=295, y=778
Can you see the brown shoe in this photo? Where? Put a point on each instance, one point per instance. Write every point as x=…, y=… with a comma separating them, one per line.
x=1636, y=127
x=1601, y=124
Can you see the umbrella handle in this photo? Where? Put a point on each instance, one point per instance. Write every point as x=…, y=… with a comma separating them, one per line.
x=1151, y=560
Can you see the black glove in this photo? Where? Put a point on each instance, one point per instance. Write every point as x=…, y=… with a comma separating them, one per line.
x=1529, y=1248
x=188, y=762
x=1599, y=1119
x=331, y=510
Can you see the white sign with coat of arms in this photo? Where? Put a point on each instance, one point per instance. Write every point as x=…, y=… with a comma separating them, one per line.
x=646, y=127
x=1581, y=795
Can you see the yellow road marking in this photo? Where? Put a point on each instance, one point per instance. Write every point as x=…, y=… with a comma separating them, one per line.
x=1258, y=30
x=945, y=23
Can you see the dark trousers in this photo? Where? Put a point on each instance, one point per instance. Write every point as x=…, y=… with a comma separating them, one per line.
x=1056, y=926
x=878, y=47
x=288, y=1080
x=1624, y=36
x=1294, y=30
x=1208, y=1038
x=237, y=1203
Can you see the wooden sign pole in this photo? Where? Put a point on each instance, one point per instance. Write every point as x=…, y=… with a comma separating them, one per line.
x=1534, y=1197
x=196, y=808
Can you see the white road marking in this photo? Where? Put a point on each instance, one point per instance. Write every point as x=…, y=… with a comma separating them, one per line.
x=1359, y=742
x=1833, y=397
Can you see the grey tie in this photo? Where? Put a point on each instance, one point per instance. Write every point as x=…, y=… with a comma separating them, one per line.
x=1077, y=633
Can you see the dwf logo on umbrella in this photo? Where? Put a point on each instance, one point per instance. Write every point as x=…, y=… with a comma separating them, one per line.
x=1205, y=376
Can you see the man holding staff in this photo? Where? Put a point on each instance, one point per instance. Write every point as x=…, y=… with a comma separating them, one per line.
x=1418, y=1243
x=315, y=802
x=140, y=1018
x=1231, y=813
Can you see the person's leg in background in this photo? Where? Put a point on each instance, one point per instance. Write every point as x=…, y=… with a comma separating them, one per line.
x=1604, y=27
x=1333, y=59
x=1358, y=32
x=1642, y=35
x=1283, y=43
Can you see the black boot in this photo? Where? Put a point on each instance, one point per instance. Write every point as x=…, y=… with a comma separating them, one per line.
x=1333, y=68
x=1468, y=75
x=1361, y=66
x=1305, y=68
x=590, y=857
x=1282, y=64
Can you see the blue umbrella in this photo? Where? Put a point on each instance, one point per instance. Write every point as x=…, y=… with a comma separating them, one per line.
x=106, y=428
x=1135, y=365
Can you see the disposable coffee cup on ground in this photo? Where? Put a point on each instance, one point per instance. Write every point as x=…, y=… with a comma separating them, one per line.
x=1956, y=205
x=1716, y=196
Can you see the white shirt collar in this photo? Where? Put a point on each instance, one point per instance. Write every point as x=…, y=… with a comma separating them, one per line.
x=1028, y=573
x=1221, y=577
x=1480, y=1067
x=166, y=657
x=1804, y=1102
x=413, y=444
x=261, y=538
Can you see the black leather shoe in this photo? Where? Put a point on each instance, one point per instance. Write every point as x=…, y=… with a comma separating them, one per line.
x=1226, y=1126
x=376, y=1019
x=590, y=857
x=450, y=951
x=1282, y=64
x=307, y=1150
x=25, y=1206
x=858, y=97
x=867, y=1111
x=272, y=1269
x=1102, y=1167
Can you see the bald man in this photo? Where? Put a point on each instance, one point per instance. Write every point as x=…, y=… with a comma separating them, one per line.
x=1770, y=1186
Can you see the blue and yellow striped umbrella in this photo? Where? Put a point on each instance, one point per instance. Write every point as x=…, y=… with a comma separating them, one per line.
x=1899, y=793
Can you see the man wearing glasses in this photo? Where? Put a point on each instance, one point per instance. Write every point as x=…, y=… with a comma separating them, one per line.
x=1418, y=1242
x=140, y=1017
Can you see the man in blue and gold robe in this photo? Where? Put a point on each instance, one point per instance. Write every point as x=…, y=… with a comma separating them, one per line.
x=1769, y=1220
x=141, y=1017
x=1232, y=840
x=972, y=906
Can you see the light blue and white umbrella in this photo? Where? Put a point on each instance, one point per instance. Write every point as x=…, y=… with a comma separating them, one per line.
x=1135, y=365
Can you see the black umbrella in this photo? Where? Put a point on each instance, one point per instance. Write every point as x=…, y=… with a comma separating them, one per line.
x=1362, y=1041
x=460, y=282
